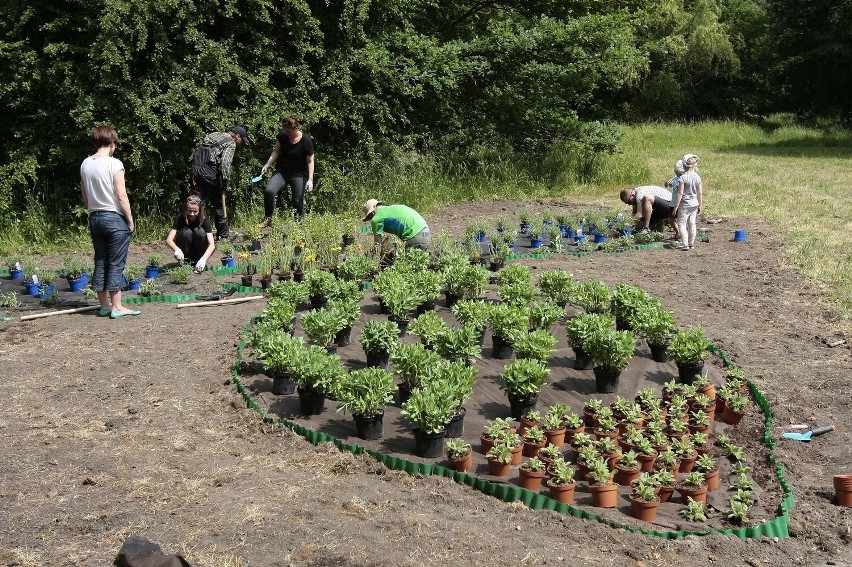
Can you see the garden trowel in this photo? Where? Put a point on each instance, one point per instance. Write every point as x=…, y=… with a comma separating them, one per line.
x=807, y=435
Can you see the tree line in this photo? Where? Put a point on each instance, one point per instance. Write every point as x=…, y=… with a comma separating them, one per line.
x=470, y=79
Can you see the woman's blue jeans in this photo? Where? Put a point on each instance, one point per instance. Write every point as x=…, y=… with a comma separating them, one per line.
x=297, y=193
x=111, y=240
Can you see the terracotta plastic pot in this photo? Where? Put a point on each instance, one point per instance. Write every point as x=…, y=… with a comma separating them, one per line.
x=843, y=489
x=464, y=464
x=604, y=496
x=642, y=510
x=530, y=480
x=562, y=493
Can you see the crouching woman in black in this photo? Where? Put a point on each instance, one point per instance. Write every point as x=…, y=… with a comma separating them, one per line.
x=191, y=237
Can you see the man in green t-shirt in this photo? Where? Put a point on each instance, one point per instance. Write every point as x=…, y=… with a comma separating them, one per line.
x=399, y=220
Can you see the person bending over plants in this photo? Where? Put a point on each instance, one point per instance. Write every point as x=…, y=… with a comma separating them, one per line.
x=399, y=220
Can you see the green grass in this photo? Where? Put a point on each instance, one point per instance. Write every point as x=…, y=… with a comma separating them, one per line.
x=794, y=177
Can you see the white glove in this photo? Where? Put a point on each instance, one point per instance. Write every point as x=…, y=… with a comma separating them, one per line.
x=178, y=254
x=309, y=186
x=265, y=168
x=199, y=266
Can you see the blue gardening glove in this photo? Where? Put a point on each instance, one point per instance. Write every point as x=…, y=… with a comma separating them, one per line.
x=309, y=186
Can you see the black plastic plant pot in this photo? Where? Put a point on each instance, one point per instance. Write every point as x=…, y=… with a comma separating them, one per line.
x=686, y=372
x=455, y=428
x=311, y=402
x=659, y=353
x=582, y=360
x=343, y=337
x=520, y=406
x=501, y=348
x=606, y=381
x=282, y=385
x=404, y=392
x=378, y=359
x=369, y=427
x=429, y=445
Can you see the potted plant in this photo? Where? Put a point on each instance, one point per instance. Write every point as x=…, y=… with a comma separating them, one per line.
x=604, y=490
x=557, y=285
x=666, y=482
x=688, y=350
x=226, y=249
x=549, y=454
x=531, y=474
x=74, y=271
x=465, y=282
x=453, y=381
x=16, y=267
x=706, y=464
x=46, y=288
x=413, y=363
x=644, y=501
x=316, y=374
x=322, y=325
x=152, y=267
x=356, y=267
x=378, y=339
x=543, y=314
x=533, y=441
x=133, y=273
x=427, y=289
x=593, y=295
x=288, y=290
x=578, y=331
x=735, y=408
x=499, y=459
x=655, y=325
x=494, y=429
x=611, y=350
x=530, y=418
x=523, y=380
x=507, y=324
x=280, y=312
x=428, y=414
x=364, y=393
x=460, y=454
x=693, y=486
x=461, y=344
x=561, y=482
x=553, y=426
x=428, y=327
x=695, y=511
x=626, y=303
x=472, y=313
x=536, y=345
x=627, y=468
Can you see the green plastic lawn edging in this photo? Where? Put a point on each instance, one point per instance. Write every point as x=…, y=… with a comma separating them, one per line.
x=778, y=527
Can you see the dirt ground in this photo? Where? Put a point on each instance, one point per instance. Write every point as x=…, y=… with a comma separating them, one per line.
x=134, y=428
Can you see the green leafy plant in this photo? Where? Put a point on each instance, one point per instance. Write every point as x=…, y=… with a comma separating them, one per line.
x=524, y=378
x=466, y=281
x=693, y=479
x=557, y=285
x=313, y=369
x=9, y=299
x=500, y=452
x=561, y=473
x=427, y=411
x=654, y=323
x=533, y=464
x=319, y=282
x=73, y=268
x=225, y=248
x=516, y=294
x=507, y=322
x=599, y=473
x=694, y=511
x=737, y=402
x=413, y=363
x=611, y=349
x=689, y=346
x=457, y=448
x=705, y=464
x=428, y=326
x=288, y=290
x=738, y=513
x=536, y=345
x=551, y=452
x=181, y=275
x=534, y=435
x=321, y=325
x=515, y=274
x=356, y=266
x=666, y=459
x=593, y=295
x=459, y=344
x=497, y=427
x=582, y=327
x=149, y=288
x=664, y=477
x=379, y=336
x=133, y=272
x=281, y=312
x=366, y=391
x=471, y=312
x=645, y=493
x=543, y=314
x=154, y=260
x=627, y=301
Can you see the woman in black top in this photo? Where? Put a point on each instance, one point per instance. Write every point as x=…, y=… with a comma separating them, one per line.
x=294, y=159
x=190, y=237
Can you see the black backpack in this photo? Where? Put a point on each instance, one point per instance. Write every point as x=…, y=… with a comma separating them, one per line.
x=204, y=164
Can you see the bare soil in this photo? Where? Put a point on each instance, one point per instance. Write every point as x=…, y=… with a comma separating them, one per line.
x=134, y=427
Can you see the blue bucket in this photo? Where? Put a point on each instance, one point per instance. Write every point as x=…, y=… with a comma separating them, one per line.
x=740, y=235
